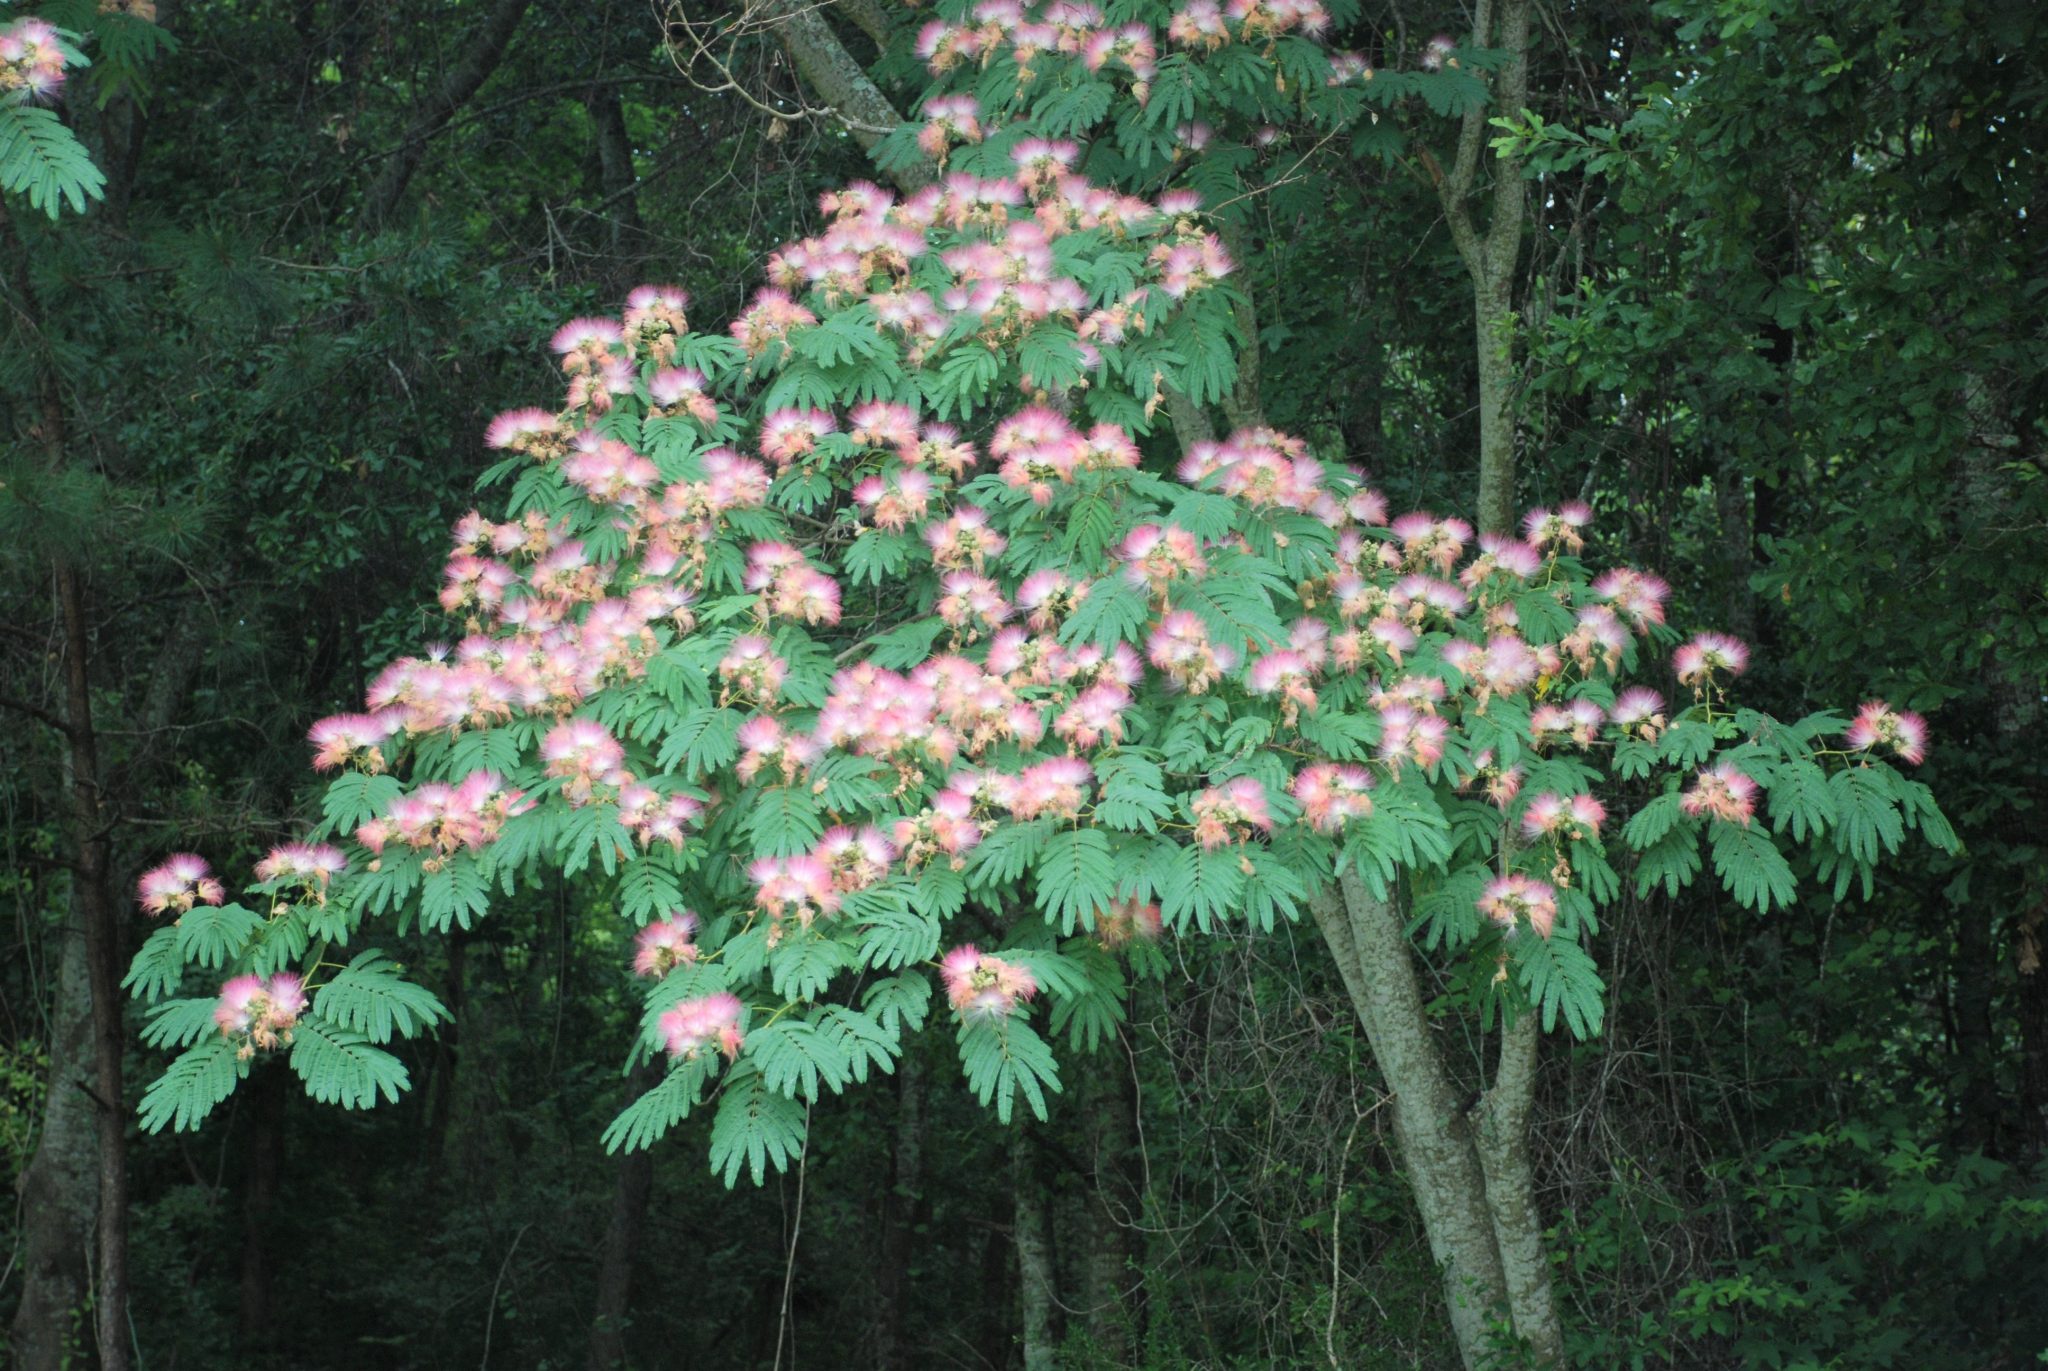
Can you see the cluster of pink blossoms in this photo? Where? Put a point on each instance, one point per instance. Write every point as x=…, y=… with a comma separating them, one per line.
x=711, y=1021
x=1903, y=731
x=259, y=1014
x=1000, y=271
x=303, y=866
x=1721, y=792
x=1077, y=29
x=31, y=60
x=441, y=819
x=981, y=986
x=1511, y=899
x=665, y=944
x=182, y=881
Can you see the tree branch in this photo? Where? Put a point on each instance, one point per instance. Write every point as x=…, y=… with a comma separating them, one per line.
x=482, y=53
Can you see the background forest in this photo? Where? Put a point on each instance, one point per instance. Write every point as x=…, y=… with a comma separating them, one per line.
x=1761, y=281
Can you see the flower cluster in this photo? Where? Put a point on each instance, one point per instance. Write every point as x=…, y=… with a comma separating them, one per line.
x=665, y=944
x=1514, y=898
x=178, y=884
x=711, y=1021
x=307, y=867
x=980, y=986
x=31, y=60
x=259, y=1014
x=1903, y=731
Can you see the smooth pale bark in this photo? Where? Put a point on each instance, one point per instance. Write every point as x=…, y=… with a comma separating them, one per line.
x=1033, y=1235
x=59, y=1189
x=835, y=76
x=1432, y=1128
x=1490, y=255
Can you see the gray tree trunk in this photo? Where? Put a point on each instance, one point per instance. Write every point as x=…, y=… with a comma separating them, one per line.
x=1467, y=1163
x=1035, y=1279
x=60, y=1188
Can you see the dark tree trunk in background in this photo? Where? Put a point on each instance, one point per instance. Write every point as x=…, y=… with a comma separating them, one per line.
x=617, y=177
x=622, y=1235
x=900, y=1212
x=2032, y=964
x=264, y=1154
x=447, y=1055
x=997, y=1339
x=1110, y=1263
x=480, y=53
x=105, y=958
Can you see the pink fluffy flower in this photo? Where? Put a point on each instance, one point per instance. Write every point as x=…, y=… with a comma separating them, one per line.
x=1723, y=793
x=311, y=865
x=181, y=882
x=1514, y=897
x=1904, y=732
x=1697, y=661
x=1230, y=813
x=751, y=669
x=1551, y=815
x=261, y=1013
x=665, y=944
x=980, y=986
x=1127, y=921
x=585, y=755
x=1638, y=712
x=1332, y=794
x=687, y=1029
x=1635, y=595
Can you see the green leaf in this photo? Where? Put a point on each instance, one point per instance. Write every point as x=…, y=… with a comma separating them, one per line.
x=353, y=800
x=1004, y=1056
x=158, y=968
x=1204, y=886
x=214, y=935
x=755, y=1127
x=801, y=966
x=1114, y=611
x=453, y=895
x=40, y=156
x=340, y=1066
x=1867, y=818
x=1650, y=823
x=1557, y=975
x=899, y=1003
x=796, y=1060
x=1672, y=861
x=368, y=997
x=906, y=645
x=704, y=741
x=192, y=1085
x=1751, y=867
x=1003, y=855
x=648, y=1119
x=1801, y=801
x=783, y=821
x=1076, y=878
x=876, y=556
x=865, y=1043
x=1133, y=794
x=1921, y=811
x=897, y=937
x=180, y=1023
